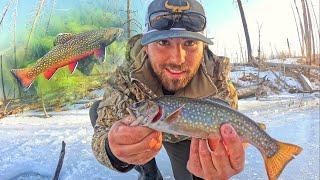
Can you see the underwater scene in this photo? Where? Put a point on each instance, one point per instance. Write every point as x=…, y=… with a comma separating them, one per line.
x=31, y=30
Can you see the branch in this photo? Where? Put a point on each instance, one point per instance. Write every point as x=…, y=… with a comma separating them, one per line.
x=60, y=162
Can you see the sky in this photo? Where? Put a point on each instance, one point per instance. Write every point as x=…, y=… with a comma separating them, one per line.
x=275, y=17
x=224, y=23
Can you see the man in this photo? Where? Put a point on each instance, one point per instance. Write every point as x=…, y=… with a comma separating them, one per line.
x=170, y=58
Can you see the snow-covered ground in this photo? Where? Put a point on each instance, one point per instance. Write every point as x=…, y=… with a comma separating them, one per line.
x=30, y=146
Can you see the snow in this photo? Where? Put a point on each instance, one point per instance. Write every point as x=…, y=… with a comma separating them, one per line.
x=30, y=145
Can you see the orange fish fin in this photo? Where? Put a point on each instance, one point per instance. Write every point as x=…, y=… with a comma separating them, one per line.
x=278, y=161
x=100, y=53
x=23, y=78
x=49, y=73
x=174, y=115
x=72, y=67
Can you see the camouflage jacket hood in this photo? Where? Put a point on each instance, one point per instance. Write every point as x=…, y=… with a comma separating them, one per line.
x=202, y=85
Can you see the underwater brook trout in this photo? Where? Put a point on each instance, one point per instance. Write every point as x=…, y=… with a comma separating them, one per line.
x=68, y=50
x=200, y=117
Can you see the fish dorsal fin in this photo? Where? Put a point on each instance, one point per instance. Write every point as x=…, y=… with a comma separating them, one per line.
x=216, y=100
x=100, y=53
x=72, y=67
x=262, y=126
x=49, y=73
x=174, y=115
x=62, y=38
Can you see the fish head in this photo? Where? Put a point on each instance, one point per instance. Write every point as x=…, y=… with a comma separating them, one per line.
x=146, y=112
x=110, y=35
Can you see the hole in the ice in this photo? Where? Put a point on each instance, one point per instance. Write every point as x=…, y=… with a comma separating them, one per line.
x=30, y=175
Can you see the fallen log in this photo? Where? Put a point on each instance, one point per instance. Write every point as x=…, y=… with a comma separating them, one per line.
x=247, y=92
x=305, y=82
x=292, y=66
x=292, y=91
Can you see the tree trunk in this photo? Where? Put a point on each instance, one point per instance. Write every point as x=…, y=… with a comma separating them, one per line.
x=129, y=18
x=241, y=50
x=246, y=31
x=259, y=46
x=288, y=43
x=307, y=31
x=35, y=20
x=5, y=12
x=2, y=82
x=312, y=42
x=302, y=30
x=60, y=162
x=299, y=36
x=315, y=18
x=50, y=15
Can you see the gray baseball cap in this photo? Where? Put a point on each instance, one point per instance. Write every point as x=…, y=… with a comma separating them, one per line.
x=175, y=19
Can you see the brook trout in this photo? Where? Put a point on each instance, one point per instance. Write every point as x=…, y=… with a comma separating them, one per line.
x=199, y=118
x=68, y=50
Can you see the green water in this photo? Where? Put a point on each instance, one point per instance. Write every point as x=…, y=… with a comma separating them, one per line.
x=29, y=28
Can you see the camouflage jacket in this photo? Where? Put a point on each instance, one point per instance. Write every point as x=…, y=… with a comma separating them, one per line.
x=126, y=87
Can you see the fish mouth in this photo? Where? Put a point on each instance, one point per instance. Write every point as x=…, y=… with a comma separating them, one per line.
x=159, y=115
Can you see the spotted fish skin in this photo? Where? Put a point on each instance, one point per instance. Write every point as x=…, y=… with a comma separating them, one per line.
x=200, y=118
x=68, y=51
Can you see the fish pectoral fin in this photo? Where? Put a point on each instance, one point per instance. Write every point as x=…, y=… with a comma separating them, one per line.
x=72, y=67
x=100, y=53
x=49, y=73
x=62, y=38
x=174, y=115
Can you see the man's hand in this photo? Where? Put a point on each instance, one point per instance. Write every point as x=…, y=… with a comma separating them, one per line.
x=224, y=159
x=134, y=144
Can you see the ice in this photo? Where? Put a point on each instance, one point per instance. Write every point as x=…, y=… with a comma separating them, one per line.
x=30, y=145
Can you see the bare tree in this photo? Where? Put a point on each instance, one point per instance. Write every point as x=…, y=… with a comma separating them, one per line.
x=288, y=43
x=259, y=46
x=15, y=50
x=241, y=50
x=129, y=18
x=2, y=82
x=312, y=42
x=246, y=31
x=306, y=32
x=35, y=20
x=317, y=25
x=53, y=3
x=300, y=36
x=5, y=11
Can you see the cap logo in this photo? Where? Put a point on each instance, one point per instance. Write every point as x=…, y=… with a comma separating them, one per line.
x=176, y=9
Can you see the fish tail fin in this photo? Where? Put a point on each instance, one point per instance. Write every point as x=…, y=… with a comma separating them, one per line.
x=278, y=161
x=23, y=78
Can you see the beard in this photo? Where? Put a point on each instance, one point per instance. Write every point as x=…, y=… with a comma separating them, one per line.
x=174, y=84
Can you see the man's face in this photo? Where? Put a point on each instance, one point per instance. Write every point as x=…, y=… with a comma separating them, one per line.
x=175, y=61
